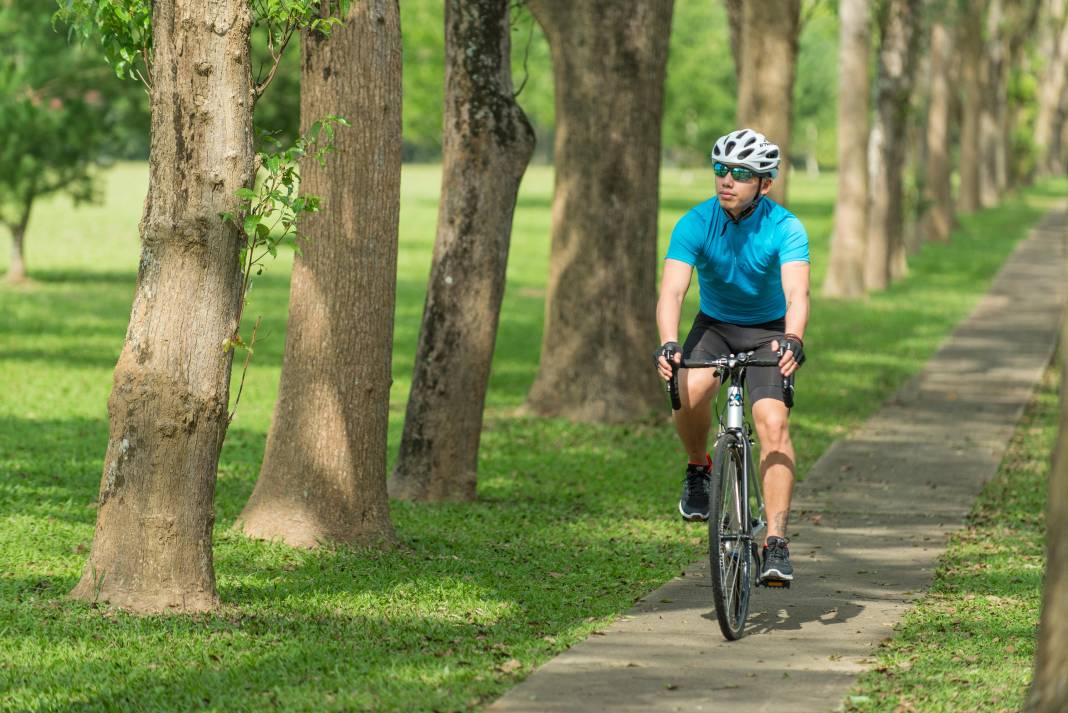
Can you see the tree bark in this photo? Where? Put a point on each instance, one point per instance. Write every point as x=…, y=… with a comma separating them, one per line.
x=609, y=60
x=845, y=274
x=735, y=21
x=897, y=58
x=992, y=176
x=324, y=469
x=1058, y=151
x=938, y=220
x=1052, y=91
x=16, y=271
x=1023, y=23
x=168, y=407
x=971, y=45
x=487, y=145
x=766, y=76
x=1049, y=687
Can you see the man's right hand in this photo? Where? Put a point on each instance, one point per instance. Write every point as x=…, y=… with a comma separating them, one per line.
x=665, y=353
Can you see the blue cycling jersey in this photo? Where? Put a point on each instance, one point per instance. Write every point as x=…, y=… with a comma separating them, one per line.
x=738, y=263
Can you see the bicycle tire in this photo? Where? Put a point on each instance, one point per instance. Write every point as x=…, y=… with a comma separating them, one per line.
x=729, y=548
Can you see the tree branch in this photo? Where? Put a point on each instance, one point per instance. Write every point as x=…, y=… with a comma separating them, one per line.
x=262, y=86
x=244, y=370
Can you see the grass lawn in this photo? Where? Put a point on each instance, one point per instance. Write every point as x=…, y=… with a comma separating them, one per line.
x=969, y=644
x=572, y=525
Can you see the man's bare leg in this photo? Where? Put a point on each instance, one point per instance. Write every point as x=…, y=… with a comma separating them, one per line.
x=694, y=420
x=777, y=462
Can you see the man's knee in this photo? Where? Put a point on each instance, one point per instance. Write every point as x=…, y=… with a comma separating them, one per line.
x=772, y=423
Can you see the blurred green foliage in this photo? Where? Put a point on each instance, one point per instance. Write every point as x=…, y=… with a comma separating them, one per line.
x=699, y=95
x=55, y=122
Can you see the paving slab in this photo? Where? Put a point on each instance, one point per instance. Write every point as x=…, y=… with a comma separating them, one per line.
x=869, y=523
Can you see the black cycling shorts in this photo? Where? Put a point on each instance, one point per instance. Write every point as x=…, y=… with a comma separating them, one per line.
x=709, y=338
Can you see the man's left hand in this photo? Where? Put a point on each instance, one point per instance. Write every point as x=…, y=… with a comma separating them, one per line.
x=793, y=353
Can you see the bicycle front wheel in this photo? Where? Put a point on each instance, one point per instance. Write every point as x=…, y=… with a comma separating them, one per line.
x=729, y=542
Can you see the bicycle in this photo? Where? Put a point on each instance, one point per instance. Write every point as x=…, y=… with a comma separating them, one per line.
x=736, y=502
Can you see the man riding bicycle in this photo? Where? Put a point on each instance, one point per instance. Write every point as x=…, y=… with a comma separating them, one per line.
x=752, y=262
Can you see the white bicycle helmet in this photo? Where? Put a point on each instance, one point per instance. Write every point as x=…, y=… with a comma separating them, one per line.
x=748, y=148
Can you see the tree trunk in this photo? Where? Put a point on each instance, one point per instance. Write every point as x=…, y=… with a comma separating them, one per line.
x=938, y=220
x=16, y=271
x=487, y=145
x=766, y=76
x=812, y=161
x=994, y=92
x=1058, y=152
x=1049, y=687
x=915, y=147
x=897, y=58
x=845, y=274
x=324, y=469
x=168, y=407
x=1023, y=24
x=608, y=63
x=735, y=21
x=971, y=46
x=1052, y=91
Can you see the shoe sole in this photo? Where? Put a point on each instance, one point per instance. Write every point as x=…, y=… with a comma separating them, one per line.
x=692, y=517
x=776, y=575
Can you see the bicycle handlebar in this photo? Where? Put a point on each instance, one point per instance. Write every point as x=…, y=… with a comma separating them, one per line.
x=729, y=362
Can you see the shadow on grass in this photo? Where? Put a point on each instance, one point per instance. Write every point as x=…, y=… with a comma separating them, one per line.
x=573, y=524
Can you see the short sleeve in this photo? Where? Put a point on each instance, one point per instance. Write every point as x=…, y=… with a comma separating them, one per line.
x=794, y=247
x=686, y=239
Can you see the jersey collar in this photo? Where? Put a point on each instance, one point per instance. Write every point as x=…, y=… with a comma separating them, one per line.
x=746, y=216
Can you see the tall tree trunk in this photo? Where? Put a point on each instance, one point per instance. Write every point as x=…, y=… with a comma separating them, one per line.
x=324, y=470
x=16, y=271
x=971, y=47
x=735, y=21
x=766, y=76
x=994, y=82
x=487, y=145
x=609, y=60
x=1058, y=151
x=1049, y=687
x=1052, y=89
x=1023, y=23
x=812, y=161
x=938, y=219
x=897, y=58
x=845, y=274
x=168, y=407
x=915, y=148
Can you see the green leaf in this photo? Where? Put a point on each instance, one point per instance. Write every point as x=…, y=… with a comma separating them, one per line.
x=251, y=222
x=246, y=193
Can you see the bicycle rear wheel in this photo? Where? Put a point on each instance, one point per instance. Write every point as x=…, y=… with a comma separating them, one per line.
x=729, y=543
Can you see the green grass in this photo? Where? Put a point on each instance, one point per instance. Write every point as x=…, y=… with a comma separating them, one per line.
x=970, y=643
x=572, y=525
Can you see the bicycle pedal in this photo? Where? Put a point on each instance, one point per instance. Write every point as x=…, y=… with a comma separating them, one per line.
x=776, y=583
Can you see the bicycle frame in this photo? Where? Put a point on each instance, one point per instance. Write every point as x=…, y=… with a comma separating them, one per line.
x=752, y=492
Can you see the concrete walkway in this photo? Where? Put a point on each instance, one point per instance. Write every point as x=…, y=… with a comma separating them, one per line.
x=871, y=519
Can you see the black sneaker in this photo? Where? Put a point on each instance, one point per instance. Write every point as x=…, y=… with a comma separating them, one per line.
x=776, y=561
x=694, y=501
